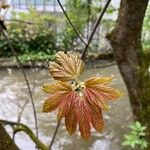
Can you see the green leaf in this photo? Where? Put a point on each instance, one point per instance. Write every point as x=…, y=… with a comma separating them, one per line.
x=135, y=133
x=143, y=128
x=133, y=145
x=143, y=144
x=133, y=127
x=142, y=134
x=126, y=143
x=136, y=136
x=128, y=137
x=137, y=124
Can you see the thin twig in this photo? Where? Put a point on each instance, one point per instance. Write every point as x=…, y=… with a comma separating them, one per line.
x=76, y=31
x=22, y=110
x=53, y=138
x=88, y=18
x=24, y=74
x=94, y=29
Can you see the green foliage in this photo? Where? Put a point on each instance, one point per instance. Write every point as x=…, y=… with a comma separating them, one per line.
x=36, y=35
x=80, y=12
x=146, y=30
x=77, y=12
x=32, y=57
x=136, y=138
x=50, y=32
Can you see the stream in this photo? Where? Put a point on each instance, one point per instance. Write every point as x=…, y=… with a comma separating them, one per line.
x=14, y=94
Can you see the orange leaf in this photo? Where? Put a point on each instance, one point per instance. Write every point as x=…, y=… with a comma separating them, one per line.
x=84, y=118
x=91, y=97
x=97, y=119
x=71, y=122
x=97, y=80
x=66, y=105
x=108, y=93
x=100, y=88
x=56, y=87
x=66, y=67
x=52, y=103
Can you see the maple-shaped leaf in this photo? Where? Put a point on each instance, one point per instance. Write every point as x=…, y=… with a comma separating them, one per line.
x=98, y=91
x=56, y=91
x=80, y=103
x=66, y=67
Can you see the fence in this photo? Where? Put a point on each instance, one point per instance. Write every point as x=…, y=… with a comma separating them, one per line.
x=41, y=5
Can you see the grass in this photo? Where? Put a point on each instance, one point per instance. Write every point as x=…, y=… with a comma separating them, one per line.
x=32, y=57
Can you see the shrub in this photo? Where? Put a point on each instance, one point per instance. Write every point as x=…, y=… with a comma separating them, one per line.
x=38, y=34
x=136, y=138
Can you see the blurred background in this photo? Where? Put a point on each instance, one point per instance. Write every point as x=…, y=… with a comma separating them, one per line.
x=37, y=30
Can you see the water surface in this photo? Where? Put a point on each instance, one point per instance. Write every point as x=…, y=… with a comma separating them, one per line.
x=13, y=95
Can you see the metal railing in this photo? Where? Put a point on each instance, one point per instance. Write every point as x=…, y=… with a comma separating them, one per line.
x=41, y=5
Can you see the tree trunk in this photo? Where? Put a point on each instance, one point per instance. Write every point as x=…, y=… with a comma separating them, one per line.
x=133, y=63
x=6, y=143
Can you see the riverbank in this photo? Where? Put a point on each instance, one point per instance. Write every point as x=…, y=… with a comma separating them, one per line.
x=93, y=61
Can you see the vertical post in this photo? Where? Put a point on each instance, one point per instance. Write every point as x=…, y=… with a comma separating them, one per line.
x=44, y=4
x=19, y=4
x=54, y=5
x=26, y=3
x=34, y=4
x=88, y=17
x=97, y=43
x=12, y=3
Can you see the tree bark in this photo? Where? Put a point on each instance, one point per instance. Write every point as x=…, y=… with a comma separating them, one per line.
x=132, y=62
x=6, y=143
